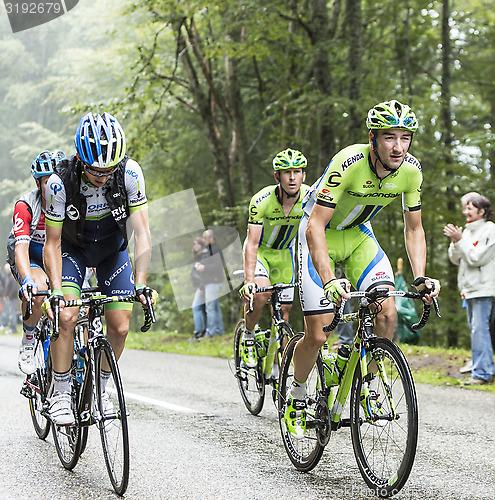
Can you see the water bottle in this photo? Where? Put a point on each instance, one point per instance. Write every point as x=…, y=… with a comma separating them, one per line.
x=343, y=354
x=329, y=360
x=80, y=363
x=46, y=344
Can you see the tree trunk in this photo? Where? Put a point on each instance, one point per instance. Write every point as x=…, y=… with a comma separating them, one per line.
x=322, y=75
x=447, y=136
x=239, y=143
x=207, y=104
x=355, y=37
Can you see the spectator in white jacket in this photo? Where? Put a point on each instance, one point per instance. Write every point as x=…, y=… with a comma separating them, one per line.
x=473, y=250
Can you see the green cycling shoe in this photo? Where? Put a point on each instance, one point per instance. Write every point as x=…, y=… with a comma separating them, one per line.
x=295, y=417
x=248, y=352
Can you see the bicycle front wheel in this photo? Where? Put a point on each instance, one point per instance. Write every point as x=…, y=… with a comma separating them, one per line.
x=384, y=442
x=38, y=384
x=250, y=380
x=110, y=405
x=304, y=453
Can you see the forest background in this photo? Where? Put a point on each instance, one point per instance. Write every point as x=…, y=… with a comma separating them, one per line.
x=209, y=91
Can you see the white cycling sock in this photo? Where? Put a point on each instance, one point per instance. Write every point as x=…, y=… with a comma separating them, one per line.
x=61, y=381
x=28, y=334
x=104, y=376
x=275, y=372
x=298, y=390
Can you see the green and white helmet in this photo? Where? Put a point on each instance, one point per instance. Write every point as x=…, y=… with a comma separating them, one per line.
x=391, y=114
x=289, y=158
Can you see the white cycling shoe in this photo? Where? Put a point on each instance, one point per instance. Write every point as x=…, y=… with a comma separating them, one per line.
x=60, y=410
x=25, y=360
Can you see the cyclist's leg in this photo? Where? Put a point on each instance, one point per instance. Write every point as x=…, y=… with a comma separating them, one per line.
x=368, y=267
x=117, y=321
x=316, y=310
x=26, y=350
x=262, y=279
x=115, y=277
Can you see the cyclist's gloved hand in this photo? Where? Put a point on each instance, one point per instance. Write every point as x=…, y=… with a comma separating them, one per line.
x=336, y=288
x=49, y=303
x=421, y=287
x=26, y=282
x=247, y=290
x=139, y=291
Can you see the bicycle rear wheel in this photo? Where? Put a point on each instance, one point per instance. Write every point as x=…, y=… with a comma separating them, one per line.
x=304, y=453
x=251, y=380
x=385, y=448
x=110, y=404
x=38, y=385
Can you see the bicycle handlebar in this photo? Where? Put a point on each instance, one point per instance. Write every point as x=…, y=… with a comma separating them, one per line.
x=31, y=295
x=272, y=288
x=100, y=300
x=384, y=293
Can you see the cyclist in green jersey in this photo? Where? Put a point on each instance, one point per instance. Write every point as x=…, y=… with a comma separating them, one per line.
x=274, y=215
x=359, y=181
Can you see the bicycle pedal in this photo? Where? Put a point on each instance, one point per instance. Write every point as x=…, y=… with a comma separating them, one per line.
x=26, y=391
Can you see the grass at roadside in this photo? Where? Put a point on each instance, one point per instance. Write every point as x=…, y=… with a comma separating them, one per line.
x=430, y=365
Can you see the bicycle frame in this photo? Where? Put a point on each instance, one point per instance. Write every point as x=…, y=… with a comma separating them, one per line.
x=87, y=411
x=275, y=332
x=336, y=402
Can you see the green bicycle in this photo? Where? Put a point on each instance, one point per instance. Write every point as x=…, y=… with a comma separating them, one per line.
x=269, y=345
x=383, y=408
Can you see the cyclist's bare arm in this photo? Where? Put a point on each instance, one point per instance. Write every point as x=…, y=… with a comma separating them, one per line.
x=52, y=256
x=317, y=243
x=415, y=240
x=251, y=251
x=142, y=246
x=22, y=260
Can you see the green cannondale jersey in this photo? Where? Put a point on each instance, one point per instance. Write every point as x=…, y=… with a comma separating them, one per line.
x=351, y=187
x=265, y=208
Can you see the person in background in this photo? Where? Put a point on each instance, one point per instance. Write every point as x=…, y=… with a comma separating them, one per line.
x=473, y=250
x=25, y=250
x=469, y=364
x=213, y=276
x=9, y=301
x=199, y=252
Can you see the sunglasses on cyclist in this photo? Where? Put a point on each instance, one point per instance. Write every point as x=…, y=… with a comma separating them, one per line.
x=97, y=173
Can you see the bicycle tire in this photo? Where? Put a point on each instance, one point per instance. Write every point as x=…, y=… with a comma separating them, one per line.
x=285, y=333
x=251, y=381
x=113, y=426
x=39, y=384
x=385, y=449
x=304, y=453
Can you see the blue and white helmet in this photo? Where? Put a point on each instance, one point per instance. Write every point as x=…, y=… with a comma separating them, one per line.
x=44, y=163
x=100, y=140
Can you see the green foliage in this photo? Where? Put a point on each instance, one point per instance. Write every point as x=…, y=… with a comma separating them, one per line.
x=207, y=93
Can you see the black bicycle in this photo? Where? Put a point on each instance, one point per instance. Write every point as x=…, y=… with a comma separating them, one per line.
x=269, y=345
x=383, y=412
x=35, y=387
x=97, y=393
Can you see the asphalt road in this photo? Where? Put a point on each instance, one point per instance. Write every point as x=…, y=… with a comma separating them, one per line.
x=191, y=438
